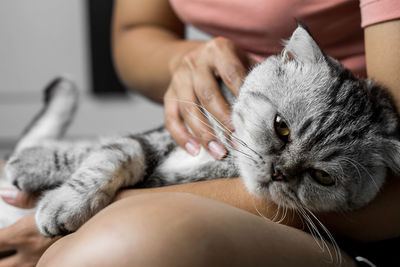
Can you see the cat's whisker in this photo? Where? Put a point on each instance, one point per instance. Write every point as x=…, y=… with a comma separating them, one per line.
x=277, y=212
x=341, y=169
x=318, y=238
x=355, y=163
x=258, y=212
x=315, y=232
x=227, y=144
x=370, y=176
x=247, y=146
x=219, y=124
x=330, y=236
x=222, y=127
x=312, y=228
x=355, y=166
x=283, y=217
x=296, y=211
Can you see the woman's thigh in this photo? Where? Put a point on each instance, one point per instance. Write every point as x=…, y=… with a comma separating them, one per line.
x=176, y=229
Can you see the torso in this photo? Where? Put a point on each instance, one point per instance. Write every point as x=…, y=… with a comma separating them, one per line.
x=259, y=26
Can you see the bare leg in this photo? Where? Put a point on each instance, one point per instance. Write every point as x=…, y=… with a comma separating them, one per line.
x=177, y=229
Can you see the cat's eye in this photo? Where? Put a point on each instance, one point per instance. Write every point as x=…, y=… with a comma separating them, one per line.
x=322, y=177
x=281, y=128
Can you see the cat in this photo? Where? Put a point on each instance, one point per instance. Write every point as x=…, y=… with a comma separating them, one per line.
x=308, y=134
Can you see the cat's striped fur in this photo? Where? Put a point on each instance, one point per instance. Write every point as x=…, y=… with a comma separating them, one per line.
x=345, y=126
x=83, y=177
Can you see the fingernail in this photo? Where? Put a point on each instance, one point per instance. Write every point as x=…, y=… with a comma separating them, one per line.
x=217, y=149
x=192, y=148
x=9, y=195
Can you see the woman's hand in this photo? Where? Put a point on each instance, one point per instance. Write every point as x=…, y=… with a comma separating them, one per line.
x=21, y=244
x=194, y=82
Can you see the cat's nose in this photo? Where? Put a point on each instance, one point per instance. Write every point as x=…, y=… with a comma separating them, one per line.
x=278, y=175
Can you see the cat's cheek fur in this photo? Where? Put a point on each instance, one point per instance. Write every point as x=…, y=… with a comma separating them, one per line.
x=255, y=178
x=323, y=199
x=365, y=193
x=250, y=180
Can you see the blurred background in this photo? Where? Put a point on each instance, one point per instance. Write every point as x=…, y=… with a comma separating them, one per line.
x=42, y=39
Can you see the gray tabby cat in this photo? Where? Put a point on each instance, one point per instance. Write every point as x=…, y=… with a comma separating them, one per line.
x=309, y=134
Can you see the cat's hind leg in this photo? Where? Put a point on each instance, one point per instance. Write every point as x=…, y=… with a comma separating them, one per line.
x=51, y=122
x=36, y=158
x=114, y=164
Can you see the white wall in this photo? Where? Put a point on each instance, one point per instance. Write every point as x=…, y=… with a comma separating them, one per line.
x=40, y=39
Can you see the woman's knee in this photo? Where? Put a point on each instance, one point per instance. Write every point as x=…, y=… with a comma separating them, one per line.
x=166, y=229
x=171, y=229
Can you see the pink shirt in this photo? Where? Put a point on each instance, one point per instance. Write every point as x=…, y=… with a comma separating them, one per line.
x=259, y=26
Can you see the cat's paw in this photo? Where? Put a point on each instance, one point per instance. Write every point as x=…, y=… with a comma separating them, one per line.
x=32, y=170
x=64, y=210
x=24, y=172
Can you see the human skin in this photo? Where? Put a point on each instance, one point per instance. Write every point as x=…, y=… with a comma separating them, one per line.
x=165, y=67
x=382, y=64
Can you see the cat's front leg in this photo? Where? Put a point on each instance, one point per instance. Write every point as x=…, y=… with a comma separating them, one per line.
x=45, y=166
x=115, y=164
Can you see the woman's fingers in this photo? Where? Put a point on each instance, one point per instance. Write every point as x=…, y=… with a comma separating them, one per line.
x=9, y=242
x=230, y=64
x=192, y=114
x=210, y=97
x=18, y=198
x=6, y=239
x=24, y=238
x=10, y=238
x=175, y=125
x=194, y=85
x=13, y=261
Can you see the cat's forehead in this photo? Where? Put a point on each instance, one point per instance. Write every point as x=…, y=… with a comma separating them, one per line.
x=323, y=96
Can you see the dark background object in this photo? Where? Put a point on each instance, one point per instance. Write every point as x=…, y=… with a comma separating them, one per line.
x=104, y=78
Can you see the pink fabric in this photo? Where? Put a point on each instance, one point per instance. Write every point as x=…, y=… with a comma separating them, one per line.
x=375, y=11
x=258, y=26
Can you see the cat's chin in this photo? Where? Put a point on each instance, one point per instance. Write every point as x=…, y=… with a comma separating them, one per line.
x=268, y=189
x=280, y=197
x=257, y=187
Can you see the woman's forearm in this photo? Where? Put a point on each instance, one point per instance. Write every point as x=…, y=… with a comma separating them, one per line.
x=228, y=190
x=379, y=220
x=146, y=38
x=382, y=42
x=146, y=68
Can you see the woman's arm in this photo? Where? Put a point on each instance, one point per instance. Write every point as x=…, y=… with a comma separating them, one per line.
x=382, y=50
x=146, y=35
x=228, y=190
x=379, y=220
x=152, y=58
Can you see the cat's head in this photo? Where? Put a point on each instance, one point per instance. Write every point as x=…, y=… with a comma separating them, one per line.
x=312, y=134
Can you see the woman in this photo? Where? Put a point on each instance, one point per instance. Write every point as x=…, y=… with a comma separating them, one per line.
x=163, y=226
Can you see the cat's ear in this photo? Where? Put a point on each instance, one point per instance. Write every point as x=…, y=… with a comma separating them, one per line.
x=302, y=47
x=391, y=155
